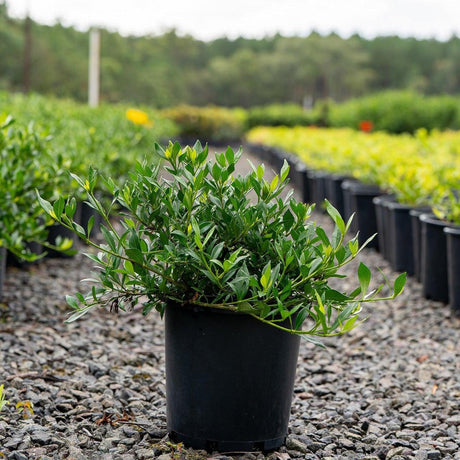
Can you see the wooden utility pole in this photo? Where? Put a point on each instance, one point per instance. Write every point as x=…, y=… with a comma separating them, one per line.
x=93, y=74
x=27, y=54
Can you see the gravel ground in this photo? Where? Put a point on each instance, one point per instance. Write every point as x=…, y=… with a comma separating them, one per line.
x=388, y=390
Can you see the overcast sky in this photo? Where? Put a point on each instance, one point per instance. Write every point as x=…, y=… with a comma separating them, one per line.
x=209, y=19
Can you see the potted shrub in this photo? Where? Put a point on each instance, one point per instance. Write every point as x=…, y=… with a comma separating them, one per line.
x=239, y=273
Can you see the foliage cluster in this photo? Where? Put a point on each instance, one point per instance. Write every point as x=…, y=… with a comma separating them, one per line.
x=282, y=115
x=216, y=124
x=420, y=169
x=36, y=155
x=241, y=72
x=103, y=136
x=26, y=165
x=207, y=238
x=398, y=112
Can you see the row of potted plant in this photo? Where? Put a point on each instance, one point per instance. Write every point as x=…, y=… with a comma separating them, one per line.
x=403, y=186
x=40, y=139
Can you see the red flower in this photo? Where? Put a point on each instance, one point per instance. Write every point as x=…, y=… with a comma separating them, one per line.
x=366, y=126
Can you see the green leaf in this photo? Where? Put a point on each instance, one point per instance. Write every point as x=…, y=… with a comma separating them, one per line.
x=46, y=205
x=399, y=284
x=58, y=207
x=72, y=301
x=284, y=171
x=135, y=255
x=108, y=237
x=265, y=278
x=336, y=217
x=128, y=267
x=90, y=225
x=364, y=275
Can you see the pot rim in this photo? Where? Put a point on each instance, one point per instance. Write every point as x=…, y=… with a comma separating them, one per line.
x=430, y=218
x=453, y=229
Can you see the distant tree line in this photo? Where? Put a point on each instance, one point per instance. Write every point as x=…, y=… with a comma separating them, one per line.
x=170, y=69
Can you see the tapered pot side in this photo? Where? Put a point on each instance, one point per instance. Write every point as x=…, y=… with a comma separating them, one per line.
x=334, y=192
x=347, y=203
x=229, y=380
x=417, y=239
x=400, y=245
x=383, y=230
x=2, y=269
x=453, y=266
x=363, y=207
x=303, y=182
x=434, y=258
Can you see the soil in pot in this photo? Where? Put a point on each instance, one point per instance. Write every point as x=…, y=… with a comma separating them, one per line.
x=229, y=380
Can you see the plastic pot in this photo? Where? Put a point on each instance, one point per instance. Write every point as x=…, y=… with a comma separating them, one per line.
x=400, y=244
x=361, y=196
x=347, y=203
x=417, y=239
x=229, y=380
x=383, y=227
x=317, y=186
x=303, y=186
x=434, y=258
x=334, y=192
x=453, y=266
x=2, y=269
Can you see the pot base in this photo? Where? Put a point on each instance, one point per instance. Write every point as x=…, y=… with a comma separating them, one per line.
x=227, y=446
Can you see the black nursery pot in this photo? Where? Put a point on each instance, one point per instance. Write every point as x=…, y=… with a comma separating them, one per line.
x=361, y=196
x=400, y=244
x=347, y=203
x=2, y=269
x=453, y=266
x=334, y=192
x=317, y=187
x=417, y=239
x=229, y=380
x=434, y=258
x=14, y=261
x=302, y=182
x=383, y=226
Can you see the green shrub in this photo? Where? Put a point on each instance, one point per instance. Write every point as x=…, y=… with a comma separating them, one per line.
x=398, y=112
x=213, y=124
x=26, y=166
x=281, y=115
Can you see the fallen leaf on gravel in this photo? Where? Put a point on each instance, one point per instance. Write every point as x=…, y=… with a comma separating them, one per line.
x=422, y=358
x=434, y=389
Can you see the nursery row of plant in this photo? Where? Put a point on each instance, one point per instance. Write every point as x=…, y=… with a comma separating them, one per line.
x=404, y=188
x=42, y=139
x=419, y=170
x=390, y=111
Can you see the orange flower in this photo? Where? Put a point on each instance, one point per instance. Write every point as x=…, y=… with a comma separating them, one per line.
x=366, y=126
